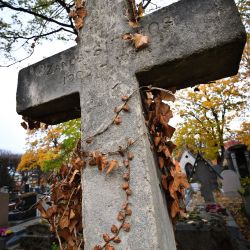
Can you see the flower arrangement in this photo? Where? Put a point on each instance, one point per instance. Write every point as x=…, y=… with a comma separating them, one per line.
x=5, y=232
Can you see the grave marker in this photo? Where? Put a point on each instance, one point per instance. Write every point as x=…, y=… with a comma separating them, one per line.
x=192, y=42
x=230, y=182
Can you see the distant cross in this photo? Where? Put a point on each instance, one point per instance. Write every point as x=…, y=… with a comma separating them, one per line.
x=191, y=42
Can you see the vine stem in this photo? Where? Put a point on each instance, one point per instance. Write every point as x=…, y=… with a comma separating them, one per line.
x=57, y=235
x=117, y=114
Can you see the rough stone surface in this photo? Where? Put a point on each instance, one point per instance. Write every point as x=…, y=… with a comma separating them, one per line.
x=101, y=69
x=192, y=42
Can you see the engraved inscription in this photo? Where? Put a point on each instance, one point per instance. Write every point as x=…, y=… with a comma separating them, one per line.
x=167, y=22
x=153, y=28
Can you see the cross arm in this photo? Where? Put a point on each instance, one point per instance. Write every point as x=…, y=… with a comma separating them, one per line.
x=48, y=91
x=192, y=42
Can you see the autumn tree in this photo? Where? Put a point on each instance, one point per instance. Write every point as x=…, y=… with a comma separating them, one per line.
x=48, y=148
x=207, y=114
x=8, y=165
x=243, y=134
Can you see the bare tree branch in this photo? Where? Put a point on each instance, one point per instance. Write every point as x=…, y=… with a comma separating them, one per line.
x=6, y=66
x=7, y=5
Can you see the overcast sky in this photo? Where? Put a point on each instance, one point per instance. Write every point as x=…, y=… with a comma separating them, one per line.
x=12, y=135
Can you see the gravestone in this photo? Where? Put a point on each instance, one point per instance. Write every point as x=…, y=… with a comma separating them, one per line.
x=4, y=202
x=192, y=42
x=204, y=173
x=230, y=182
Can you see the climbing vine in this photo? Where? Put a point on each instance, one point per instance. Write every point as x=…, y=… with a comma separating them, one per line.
x=157, y=116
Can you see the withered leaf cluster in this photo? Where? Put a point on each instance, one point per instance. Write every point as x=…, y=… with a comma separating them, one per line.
x=65, y=212
x=78, y=14
x=30, y=124
x=157, y=115
x=138, y=40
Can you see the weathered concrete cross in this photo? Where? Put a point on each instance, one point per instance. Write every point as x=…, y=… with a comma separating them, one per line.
x=192, y=41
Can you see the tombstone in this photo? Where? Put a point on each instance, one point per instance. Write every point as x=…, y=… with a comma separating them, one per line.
x=238, y=158
x=230, y=182
x=4, y=201
x=24, y=207
x=204, y=173
x=192, y=42
x=37, y=237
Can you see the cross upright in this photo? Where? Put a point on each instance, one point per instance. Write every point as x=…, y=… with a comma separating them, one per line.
x=191, y=42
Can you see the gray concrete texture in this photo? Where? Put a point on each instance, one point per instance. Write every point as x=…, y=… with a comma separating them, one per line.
x=102, y=68
x=192, y=42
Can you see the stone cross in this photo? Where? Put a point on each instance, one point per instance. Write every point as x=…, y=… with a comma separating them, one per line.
x=192, y=41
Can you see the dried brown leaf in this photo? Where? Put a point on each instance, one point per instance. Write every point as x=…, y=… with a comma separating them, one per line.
x=114, y=229
x=140, y=41
x=43, y=212
x=128, y=211
x=128, y=191
x=106, y=237
x=109, y=247
x=51, y=211
x=113, y=164
x=117, y=239
x=127, y=37
x=157, y=140
x=126, y=163
x=169, y=131
x=118, y=109
x=76, y=172
x=133, y=24
x=125, y=185
x=126, y=227
x=72, y=14
x=124, y=98
x=81, y=12
x=167, y=95
x=78, y=22
x=130, y=141
x=64, y=222
x=130, y=156
x=140, y=11
x=64, y=170
x=161, y=162
x=126, y=176
x=72, y=214
x=117, y=120
x=103, y=163
x=72, y=224
x=126, y=107
x=149, y=95
x=120, y=216
x=24, y=125
x=164, y=182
